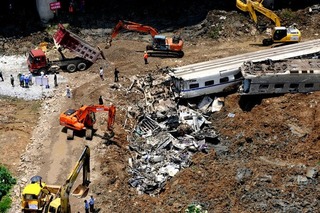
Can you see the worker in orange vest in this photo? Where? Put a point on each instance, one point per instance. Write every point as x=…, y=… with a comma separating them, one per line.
x=145, y=57
x=71, y=9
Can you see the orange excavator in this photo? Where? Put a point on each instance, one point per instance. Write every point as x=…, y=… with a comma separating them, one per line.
x=161, y=45
x=84, y=118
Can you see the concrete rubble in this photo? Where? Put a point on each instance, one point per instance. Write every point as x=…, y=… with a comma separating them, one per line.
x=166, y=135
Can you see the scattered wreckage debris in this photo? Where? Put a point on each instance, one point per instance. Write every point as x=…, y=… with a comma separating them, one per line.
x=166, y=135
x=160, y=154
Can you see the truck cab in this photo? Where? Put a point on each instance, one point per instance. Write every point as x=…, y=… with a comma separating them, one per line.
x=37, y=61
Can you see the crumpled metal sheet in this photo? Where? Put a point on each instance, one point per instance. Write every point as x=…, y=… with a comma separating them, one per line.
x=165, y=139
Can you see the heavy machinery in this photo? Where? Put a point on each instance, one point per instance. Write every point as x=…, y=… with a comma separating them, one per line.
x=40, y=197
x=86, y=54
x=280, y=34
x=161, y=45
x=84, y=118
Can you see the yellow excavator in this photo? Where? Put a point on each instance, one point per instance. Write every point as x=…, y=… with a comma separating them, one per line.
x=40, y=197
x=280, y=34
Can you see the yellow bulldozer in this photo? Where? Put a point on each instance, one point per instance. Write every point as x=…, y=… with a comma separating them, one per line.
x=39, y=197
x=280, y=34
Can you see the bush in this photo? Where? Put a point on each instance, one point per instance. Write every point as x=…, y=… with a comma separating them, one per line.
x=5, y=203
x=6, y=182
x=287, y=14
x=214, y=33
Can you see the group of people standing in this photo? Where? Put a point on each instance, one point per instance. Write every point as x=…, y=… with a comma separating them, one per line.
x=89, y=206
x=24, y=79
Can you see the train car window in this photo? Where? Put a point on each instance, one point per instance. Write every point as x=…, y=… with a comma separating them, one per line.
x=278, y=86
x=263, y=86
x=209, y=83
x=238, y=75
x=223, y=80
x=294, y=86
x=192, y=86
x=308, y=85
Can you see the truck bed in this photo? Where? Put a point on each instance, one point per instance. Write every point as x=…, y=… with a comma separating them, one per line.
x=74, y=43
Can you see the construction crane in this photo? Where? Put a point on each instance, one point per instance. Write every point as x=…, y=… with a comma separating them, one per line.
x=160, y=46
x=40, y=197
x=280, y=34
x=84, y=118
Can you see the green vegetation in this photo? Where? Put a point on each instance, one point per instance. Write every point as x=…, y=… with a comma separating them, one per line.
x=6, y=182
x=214, y=32
x=194, y=208
x=287, y=14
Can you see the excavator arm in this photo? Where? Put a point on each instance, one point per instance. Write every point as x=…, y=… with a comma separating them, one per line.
x=252, y=6
x=111, y=113
x=82, y=190
x=133, y=26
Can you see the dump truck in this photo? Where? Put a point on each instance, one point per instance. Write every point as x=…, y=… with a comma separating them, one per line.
x=86, y=54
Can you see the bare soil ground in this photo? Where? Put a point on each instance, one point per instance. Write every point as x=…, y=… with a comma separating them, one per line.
x=275, y=143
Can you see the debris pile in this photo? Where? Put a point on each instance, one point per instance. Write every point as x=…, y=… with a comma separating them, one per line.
x=166, y=136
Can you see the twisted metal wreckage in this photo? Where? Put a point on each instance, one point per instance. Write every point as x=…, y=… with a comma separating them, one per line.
x=166, y=135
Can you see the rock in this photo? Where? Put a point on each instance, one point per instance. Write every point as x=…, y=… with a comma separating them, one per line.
x=302, y=180
x=312, y=173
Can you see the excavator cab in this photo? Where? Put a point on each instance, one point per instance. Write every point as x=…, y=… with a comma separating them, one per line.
x=35, y=196
x=283, y=35
x=159, y=42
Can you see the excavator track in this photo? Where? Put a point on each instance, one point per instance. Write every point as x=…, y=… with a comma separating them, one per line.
x=165, y=54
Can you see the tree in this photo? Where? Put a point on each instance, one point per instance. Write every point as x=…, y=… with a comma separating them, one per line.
x=6, y=181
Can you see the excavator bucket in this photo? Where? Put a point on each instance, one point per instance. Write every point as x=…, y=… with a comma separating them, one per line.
x=81, y=191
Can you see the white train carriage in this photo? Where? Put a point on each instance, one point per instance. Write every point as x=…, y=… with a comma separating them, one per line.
x=205, y=81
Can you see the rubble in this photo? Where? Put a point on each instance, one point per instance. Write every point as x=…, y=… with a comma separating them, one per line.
x=165, y=137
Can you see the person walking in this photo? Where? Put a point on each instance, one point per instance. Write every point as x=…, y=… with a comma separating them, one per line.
x=145, y=57
x=116, y=75
x=86, y=206
x=91, y=204
x=55, y=79
x=1, y=76
x=68, y=91
x=12, y=80
x=101, y=73
x=100, y=100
